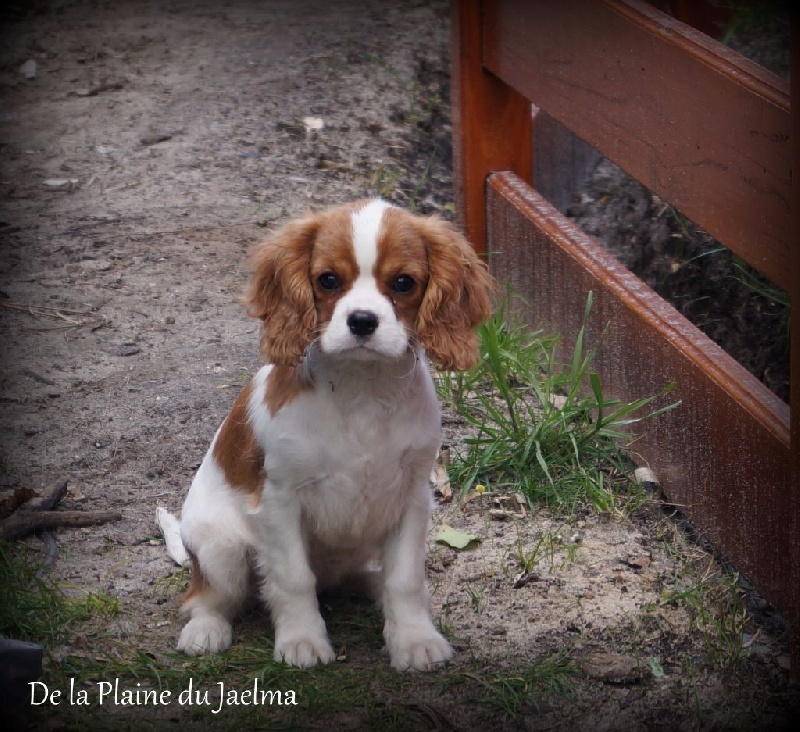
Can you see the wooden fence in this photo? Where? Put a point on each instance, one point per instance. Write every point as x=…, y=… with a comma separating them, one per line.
x=711, y=134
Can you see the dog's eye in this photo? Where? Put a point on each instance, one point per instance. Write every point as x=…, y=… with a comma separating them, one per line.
x=328, y=281
x=404, y=283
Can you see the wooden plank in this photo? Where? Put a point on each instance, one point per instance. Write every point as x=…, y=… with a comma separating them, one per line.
x=794, y=293
x=702, y=127
x=491, y=123
x=723, y=456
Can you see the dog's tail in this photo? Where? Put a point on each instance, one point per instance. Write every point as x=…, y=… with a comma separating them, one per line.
x=171, y=531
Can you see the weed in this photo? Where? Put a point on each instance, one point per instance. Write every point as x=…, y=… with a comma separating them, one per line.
x=528, y=559
x=716, y=608
x=509, y=693
x=543, y=429
x=174, y=583
x=477, y=598
x=385, y=179
x=759, y=285
x=34, y=609
x=420, y=184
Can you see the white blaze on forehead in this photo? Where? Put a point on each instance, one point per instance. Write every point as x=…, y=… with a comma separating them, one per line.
x=366, y=225
x=390, y=338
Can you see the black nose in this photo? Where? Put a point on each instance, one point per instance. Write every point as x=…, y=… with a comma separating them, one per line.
x=362, y=323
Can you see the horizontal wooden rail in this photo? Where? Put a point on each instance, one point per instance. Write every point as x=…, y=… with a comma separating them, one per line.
x=705, y=129
x=723, y=455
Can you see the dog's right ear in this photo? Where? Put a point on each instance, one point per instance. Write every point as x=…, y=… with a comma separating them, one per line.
x=281, y=293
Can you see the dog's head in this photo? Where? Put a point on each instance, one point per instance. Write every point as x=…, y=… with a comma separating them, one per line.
x=369, y=280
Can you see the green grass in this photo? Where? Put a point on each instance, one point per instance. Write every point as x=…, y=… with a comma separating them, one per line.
x=34, y=609
x=360, y=689
x=510, y=693
x=37, y=610
x=762, y=287
x=544, y=429
x=716, y=607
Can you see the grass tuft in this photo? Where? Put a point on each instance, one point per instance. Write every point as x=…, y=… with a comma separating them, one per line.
x=510, y=693
x=544, y=429
x=716, y=607
x=33, y=608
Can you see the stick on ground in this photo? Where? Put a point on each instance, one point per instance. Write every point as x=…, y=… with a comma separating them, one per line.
x=22, y=523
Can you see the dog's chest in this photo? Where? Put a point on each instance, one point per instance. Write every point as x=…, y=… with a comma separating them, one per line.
x=351, y=458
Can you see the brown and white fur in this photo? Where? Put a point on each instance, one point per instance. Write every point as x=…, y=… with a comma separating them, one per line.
x=322, y=466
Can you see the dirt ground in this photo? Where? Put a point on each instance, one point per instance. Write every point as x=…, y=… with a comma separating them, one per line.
x=144, y=150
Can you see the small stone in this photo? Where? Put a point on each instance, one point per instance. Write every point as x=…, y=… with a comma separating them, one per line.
x=60, y=184
x=28, y=69
x=128, y=349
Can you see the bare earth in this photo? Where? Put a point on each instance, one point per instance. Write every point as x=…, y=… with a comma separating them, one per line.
x=154, y=145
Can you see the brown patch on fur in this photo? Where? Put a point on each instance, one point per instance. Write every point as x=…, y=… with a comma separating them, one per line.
x=333, y=252
x=280, y=291
x=284, y=383
x=236, y=450
x=198, y=584
x=284, y=292
x=401, y=251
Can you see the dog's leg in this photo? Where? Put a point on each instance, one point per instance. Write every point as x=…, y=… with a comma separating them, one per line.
x=216, y=593
x=411, y=638
x=289, y=588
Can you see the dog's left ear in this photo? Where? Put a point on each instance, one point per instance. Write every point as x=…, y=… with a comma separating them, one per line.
x=457, y=299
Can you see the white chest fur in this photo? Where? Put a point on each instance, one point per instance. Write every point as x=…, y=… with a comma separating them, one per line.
x=352, y=450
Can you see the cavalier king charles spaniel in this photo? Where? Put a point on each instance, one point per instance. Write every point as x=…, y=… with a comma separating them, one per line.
x=320, y=473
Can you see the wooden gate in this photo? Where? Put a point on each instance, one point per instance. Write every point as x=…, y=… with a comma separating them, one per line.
x=711, y=134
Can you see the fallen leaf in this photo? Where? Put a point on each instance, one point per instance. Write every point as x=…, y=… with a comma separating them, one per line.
x=656, y=668
x=440, y=481
x=508, y=506
x=471, y=496
x=455, y=538
x=19, y=497
x=613, y=668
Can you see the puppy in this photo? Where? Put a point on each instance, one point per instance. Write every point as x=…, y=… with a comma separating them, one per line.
x=321, y=469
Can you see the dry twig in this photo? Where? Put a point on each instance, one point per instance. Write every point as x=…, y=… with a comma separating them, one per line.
x=23, y=523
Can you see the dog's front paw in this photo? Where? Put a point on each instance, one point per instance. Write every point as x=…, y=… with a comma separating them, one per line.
x=205, y=634
x=304, y=650
x=420, y=648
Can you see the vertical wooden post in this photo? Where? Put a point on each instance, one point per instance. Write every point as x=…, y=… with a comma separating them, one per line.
x=794, y=295
x=492, y=128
